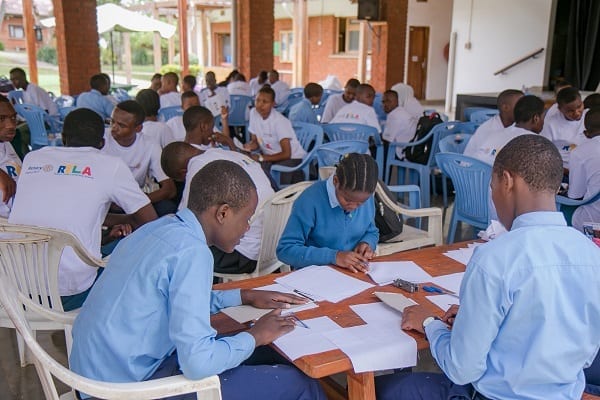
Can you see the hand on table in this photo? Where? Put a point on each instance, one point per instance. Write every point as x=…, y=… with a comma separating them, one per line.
x=352, y=261
x=450, y=315
x=270, y=299
x=271, y=326
x=413, y=317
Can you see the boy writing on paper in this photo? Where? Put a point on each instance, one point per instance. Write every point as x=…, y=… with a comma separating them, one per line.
x=529, y=317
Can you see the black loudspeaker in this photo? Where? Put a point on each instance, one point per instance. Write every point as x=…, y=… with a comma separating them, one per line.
x=369, y=10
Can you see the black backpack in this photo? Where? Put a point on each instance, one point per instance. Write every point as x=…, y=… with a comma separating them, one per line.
x=387, y=221
x=420, y=153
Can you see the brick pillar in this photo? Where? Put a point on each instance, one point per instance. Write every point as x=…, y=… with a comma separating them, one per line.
x=77, y=44
x=389, y=45
x=256, y=24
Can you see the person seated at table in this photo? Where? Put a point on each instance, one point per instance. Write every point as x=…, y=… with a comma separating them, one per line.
x=169, y=96
x=188, y=99
x=238, y=85
x=339, y=100
x=332, y=222
x=158, y=131
x=150, y=311
x=506, y=115
x=558, y=86
x=529, y=118
x=213, y=96
x=407, y=100
x=32, y=93
x=529, y=317
x=10, y=163
x=303, y=111
x=400, y=125
x=71, y=188
x=140, y=153
x=361, y=110
x=273, y=134
x=96, y=99
x=584, y=171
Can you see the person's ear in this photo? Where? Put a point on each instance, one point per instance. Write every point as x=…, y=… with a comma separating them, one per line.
x=507, y=181
x=336, y=181
x=138, y=128
x=222, y=213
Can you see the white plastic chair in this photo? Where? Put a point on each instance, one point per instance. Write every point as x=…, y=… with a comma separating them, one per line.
x=29, y=258
x=276, y=211
x=47, y=367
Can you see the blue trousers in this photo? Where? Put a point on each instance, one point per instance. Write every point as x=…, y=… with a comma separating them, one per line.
x=592, y=377
x=420, y=386
x=249, y=381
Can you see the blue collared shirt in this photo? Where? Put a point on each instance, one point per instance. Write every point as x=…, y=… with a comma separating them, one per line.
x=529, y=319
x=95, y=101
x=153, y=298
x=303, y=112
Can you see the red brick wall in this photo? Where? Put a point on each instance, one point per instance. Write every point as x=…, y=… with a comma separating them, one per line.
x=77, y=38
x=20, y=44
x=255, y=35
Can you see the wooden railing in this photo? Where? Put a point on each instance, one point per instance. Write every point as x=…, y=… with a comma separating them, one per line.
x=519, y=61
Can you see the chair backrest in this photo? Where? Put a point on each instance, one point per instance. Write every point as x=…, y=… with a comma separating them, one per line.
x=347, y=131
x=166, y=113
x=378, y=106
x=310, y=136
x=12, y=301
x=15, y=96
x=479, y=117
x=467, y=112
x=329, y=154
x=292, y=100
x=64, y=101
x=471, y=179
x=120, y=94
x=238, y=110
x=64, y=111
x=455, y=144
x=35, y=117
x=445, y=129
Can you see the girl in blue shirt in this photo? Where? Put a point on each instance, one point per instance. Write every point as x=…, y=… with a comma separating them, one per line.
x=332, y=222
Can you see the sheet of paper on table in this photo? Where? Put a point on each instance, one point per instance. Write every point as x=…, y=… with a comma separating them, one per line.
x=396, y=301
x=443, y=301
x=385, y=272
x=302, y=341
x=463, y=255
x=449, y=282
x=323, y=283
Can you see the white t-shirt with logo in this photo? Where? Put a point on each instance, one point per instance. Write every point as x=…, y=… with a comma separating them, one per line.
x=357, y=113
x=71, y=188
x=488, y=147
x=215, y=100
x=142, y=157
x=400, y=126
x=11, y=164
x=584, y=180
x=333, y=104
x=271, y=131
x=565, y=134
x=170, y=99
x=159, y=132
x=250, y=243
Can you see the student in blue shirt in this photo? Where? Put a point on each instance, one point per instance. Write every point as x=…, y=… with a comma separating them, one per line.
x=303, y=111
x=96, y=99
x=149, y=315
x=529, y=316
x=332, y=222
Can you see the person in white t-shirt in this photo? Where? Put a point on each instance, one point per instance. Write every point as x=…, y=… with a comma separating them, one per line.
x=400, y=126
x=169, y=96
x=565, y=128
x=140, y=154
x=407, y=100
x=273, y=135
x=188, y=83
x=281, y=89
x=584, y=172
x=529, y=118
x=181, y=161
x=258, y=81
x=506, y=117
x=188, y=99
x=71, y=188
x=361, y=110
x=558, y=86
x=336, y=101
x=32, y=93
x=238, y=85
x=212, y=96
x=158, y=131
x=10, y=163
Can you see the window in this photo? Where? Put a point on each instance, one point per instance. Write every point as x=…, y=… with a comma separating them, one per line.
x=348, y=35
x=286, y=50
x=16, y=31
x=223, y=49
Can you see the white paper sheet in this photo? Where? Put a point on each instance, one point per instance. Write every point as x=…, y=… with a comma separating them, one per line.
x=443, y=301
x=294, y=308
x=302, y=341
x=449, y=282
x=321, y=282
x=463, y=255
x=384, y=273
x=375, y=347
x=378, y=314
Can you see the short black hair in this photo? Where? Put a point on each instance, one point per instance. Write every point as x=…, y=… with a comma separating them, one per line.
x=263, y=75
x=156, y=76
x=196, y=115
x=365, y=88
x=592, y=101
x=312, y=90
x=535, y=159
x=97, y=81
x=353, y=83
x=188, y=95
x=220, y=182
x=172, y=76
x=392, y=93
x=275, y=73
x=567, y=95
x=190, y=80
x=267, y=89
x=134, y=108
x=149, y=100
x=83, y=127
x=592, y=120
x=506, y=95
x=18, y=71
x=173, y=156
x=357, y=173
x=527, y=107
x=105, y=75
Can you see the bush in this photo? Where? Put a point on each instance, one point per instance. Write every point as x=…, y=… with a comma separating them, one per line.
x=140, y=56
x=47, y=54
x=170, y=68
x=1, y=46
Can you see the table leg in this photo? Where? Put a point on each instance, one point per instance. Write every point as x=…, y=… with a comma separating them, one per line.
x=361, y=386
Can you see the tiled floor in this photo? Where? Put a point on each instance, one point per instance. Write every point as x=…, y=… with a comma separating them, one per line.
x=22, y=383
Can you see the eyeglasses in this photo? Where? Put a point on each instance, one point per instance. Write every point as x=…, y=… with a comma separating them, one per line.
x=12, y=118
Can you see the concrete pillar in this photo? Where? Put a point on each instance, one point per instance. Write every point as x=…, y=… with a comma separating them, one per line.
x=255, y=36
x=156, y=49
x=77, y=44
x=389, y=45
x=300, y=29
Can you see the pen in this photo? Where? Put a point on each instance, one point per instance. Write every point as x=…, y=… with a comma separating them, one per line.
x=303, y=295
x=299, y=321
x=433, y=289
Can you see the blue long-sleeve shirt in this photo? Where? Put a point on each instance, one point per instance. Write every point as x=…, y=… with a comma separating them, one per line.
x=318, y=227
x=529, y=317
x=155, y=297
x=95, y=101
x=303, y=112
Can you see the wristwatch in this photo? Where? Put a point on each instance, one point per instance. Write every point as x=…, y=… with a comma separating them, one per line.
x=427, y=321
x=261, y=158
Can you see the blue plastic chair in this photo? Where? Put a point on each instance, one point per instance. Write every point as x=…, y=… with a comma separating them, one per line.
x=469, y=111
x=329, y=154
x=479, y=117
x=64, y=101
x=310, y=137
x=568, y=206
x=347, y=131
x=15, y=96
x=471, y=179
x=421, y=174
x=120, y=94
x=293, y=99
x=37, y=119
x=165, y=114
x=455, y=144
x=238, y=110
x=378, y=106
x=64, y=111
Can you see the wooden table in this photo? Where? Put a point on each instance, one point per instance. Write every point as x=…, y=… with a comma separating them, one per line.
x=362, y=385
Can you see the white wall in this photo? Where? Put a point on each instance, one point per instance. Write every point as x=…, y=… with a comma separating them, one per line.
x=437, y=15
x=501, y=33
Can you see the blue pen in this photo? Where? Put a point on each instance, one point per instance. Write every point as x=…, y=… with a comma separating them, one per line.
x=434, y=289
